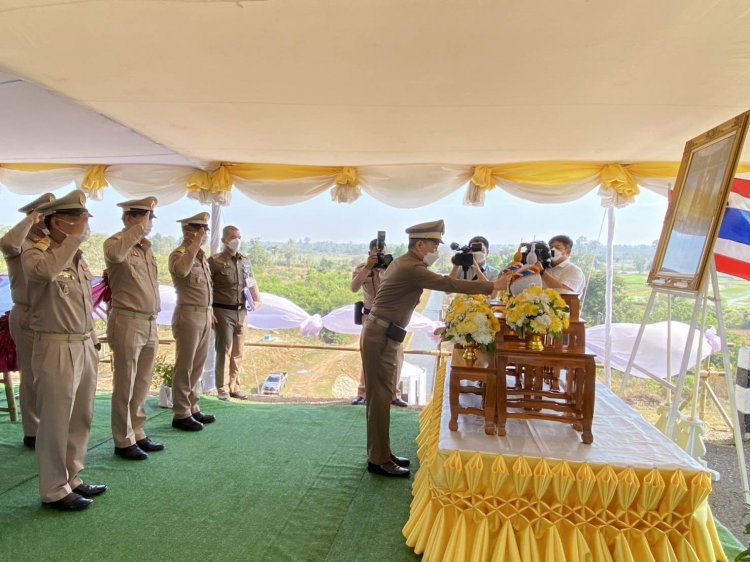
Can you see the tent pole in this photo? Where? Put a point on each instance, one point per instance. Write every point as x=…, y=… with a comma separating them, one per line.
x=608, y=296
x=208, y=381
x=216, y=226
x=729, y=377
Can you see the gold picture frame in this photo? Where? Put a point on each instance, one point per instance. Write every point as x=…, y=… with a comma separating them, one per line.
x=697, y=207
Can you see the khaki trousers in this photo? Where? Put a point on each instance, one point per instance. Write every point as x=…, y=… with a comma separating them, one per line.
x=23, y=337
x=65, y=388
x=362, y=390
x=379, y=363
x=230, y=337
x=134, y=343
x=191, y=328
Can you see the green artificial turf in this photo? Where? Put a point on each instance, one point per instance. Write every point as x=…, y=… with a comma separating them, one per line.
x=265, y=482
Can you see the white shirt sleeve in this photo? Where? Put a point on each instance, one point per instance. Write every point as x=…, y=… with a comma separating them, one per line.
x=570, y=276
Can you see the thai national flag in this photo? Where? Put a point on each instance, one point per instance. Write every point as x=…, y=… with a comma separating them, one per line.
x=732, y=250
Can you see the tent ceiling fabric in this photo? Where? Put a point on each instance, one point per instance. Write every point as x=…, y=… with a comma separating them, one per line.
x=40, y=126
x=377, y=82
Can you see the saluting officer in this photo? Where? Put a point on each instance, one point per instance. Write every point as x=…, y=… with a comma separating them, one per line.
x=383, y=333
x=191, y=322
x=16, y=241
x=232, y=274
x=65, y=355
x=131, y=326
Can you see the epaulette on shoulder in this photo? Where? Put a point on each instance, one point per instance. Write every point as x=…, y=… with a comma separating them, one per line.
x=116, y=236
x=43, y=244
x=181, y=250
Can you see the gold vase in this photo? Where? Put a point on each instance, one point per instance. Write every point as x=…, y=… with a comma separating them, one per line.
x=535, y=342
x=470, y=352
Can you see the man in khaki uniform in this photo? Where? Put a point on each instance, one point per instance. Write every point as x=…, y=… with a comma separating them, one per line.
x=369, y=277
x=65, y=355
x=16, y=241
x=131, y=326
x=383, y=333
x=231, y=273
x=191, y=322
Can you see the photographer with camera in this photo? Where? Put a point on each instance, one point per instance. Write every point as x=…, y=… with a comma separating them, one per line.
x=563, y=276
x=470, y=261
x=368, y=276
x=383, y=333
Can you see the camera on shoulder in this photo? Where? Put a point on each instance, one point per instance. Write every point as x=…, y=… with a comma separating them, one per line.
x=464, y=256
x=384, y=260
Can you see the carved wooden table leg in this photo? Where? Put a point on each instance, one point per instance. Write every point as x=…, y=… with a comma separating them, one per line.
x=454, y=391
x=589, y=393
x=490, y=408
x=501, y=407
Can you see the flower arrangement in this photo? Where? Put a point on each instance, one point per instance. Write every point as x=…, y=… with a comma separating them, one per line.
x=538, y=311
x=470, y=321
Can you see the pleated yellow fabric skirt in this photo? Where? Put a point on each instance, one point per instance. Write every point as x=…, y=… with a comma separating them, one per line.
x=482, y=507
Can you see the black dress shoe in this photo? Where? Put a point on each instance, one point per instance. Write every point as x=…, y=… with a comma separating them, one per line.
x=403, y=462
x=204, y=418
x=388, y=469
x=71, y=502
x=400, y=403
x=150, y=446
x=132, y=453
x=29, y=442
x=90, y=490
x=358, y=401
x=187, y=424
x=239, y=395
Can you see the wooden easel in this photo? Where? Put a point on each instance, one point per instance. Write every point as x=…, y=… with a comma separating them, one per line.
x=701, y=299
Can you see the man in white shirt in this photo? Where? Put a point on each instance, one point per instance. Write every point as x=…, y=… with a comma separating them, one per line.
x=480, y=269
x=564, y=276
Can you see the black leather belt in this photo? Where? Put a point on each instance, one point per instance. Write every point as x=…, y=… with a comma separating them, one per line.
x=365, y=311
x=229, y=306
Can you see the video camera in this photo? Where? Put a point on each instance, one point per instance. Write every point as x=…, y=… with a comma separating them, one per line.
x=542, y=251
x=464, y=256
x=384, y=260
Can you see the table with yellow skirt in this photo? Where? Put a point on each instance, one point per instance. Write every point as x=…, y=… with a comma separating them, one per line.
x=539, y=494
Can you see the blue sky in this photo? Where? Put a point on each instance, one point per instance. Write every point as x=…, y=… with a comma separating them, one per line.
x=503, y=219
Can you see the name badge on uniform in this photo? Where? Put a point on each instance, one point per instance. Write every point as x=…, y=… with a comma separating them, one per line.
x=248, y=275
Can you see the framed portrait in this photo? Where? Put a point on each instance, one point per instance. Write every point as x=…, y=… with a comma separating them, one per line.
x=697, y=206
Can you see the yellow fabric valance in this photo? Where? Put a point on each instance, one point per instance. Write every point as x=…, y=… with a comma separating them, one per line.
x=401, y=186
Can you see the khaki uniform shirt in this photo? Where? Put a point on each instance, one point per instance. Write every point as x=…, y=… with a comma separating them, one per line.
x=131, y=267
x=371, y=284
x=191, y=277
x=16, y=241
x=59, y=287
x=231, y=275
x=402, y=288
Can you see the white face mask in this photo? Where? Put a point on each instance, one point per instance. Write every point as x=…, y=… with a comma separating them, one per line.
x=233, y=245
x=148, y=228
x=430, y=258
x=479, y=257
x=86, y=233
x=557, y=256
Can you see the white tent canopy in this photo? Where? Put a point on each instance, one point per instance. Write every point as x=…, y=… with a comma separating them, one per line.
x=365, y=85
